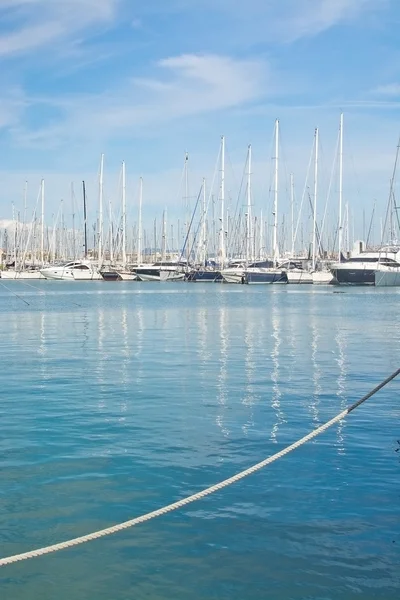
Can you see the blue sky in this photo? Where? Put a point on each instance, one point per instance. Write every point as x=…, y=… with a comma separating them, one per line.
x=144, y=82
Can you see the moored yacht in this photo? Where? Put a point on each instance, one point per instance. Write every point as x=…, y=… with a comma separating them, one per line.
x=22, y=274
x=72, y=271
x=161, y=271
x=360, y=269
x=387, y=276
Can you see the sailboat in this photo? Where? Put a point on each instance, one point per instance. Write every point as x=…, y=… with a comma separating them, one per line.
x=163, y=270
x=265, y=272
x=29, y=273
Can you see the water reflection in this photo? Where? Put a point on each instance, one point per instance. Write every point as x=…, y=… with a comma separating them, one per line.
x=139, y=345
x=316, y=370
x=223, y=372
x=341, y=341
x=250, y=372
x=276, y=392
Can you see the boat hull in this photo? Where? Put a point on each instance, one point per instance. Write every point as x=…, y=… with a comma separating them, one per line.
x=322, y=278
x=22, y=275
x=233, y=275
x=205, y=276
x=364, y=276
x=125, y=276
x=265, y=277
x=387, y=277
x=159, y=275
x=299, y=277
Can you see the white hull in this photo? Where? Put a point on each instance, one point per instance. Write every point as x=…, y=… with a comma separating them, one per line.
x=57, y=273
x=125, y=276
x=74, y=271
x=387, y=277
x=299, y=277
x=85, y=276
x=171, y=276
x=21, y=275
x=162, y=276
x=322, y=277
x=232, y=275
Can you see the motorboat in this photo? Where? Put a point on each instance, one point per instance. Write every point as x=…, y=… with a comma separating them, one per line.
x=161, y=271
x=72, y=271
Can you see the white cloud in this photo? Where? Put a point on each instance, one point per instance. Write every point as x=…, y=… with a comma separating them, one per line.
x=311, y=17
x=185, y=85
x=270, y=20
x=34, y=24
x=390, y=89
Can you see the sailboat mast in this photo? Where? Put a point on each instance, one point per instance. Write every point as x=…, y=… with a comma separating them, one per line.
x=123, y=215
x=139, y=243
x=292, y=209
x=275, y=229
x=203, y=227
x=340, y=186
x=248, y=214
x=164, y=238
x=315, y=200
x=84, y=218
x=100, y=243
x=187, y=206
x=42, y=223
x=222, y=207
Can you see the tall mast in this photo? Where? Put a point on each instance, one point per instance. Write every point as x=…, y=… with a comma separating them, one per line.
x=84, y=219
x=315, y=200
x=292, y=209
x=100, y=243
x=222, y=200
x=164, y=238
x=123, y=215
x=248, y=213
x=42, y=223
x=73, y=220
x=203, y=226
x=340, y=186
x=110, y=234
x=275, y=248
x=139, y=242
x=187, y=206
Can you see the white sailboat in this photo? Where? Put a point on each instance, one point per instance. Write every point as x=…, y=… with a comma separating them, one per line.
x=29, y=273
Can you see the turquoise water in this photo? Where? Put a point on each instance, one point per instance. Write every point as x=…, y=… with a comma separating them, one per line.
x=118, y=398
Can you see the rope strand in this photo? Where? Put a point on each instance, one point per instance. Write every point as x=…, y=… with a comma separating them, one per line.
x=210, y=490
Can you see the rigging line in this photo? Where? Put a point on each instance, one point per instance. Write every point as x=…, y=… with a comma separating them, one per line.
x=206, y=492
x=14, y=294
x=43, y=293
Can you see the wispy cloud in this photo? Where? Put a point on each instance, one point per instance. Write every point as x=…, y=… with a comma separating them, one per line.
x=185, y=85
x=390, y=89
x=34, y=24
x=283, y=21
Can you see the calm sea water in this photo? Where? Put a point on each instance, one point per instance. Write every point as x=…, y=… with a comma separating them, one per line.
x=118, y=398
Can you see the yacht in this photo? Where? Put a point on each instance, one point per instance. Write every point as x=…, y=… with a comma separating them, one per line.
x=256, y=272
x=204, y=275
x=387, y=276
x=360, y=269
x=264, y=272
x=296, y=272
x=72, y=271
x=161, y=271
x=23, y=274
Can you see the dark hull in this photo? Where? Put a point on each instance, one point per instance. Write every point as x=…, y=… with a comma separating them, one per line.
x=110, y=275
x=253, y=278
x=205, y=276
x=355, y=276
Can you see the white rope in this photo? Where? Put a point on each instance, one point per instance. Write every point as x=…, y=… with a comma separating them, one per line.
x=210, y=490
